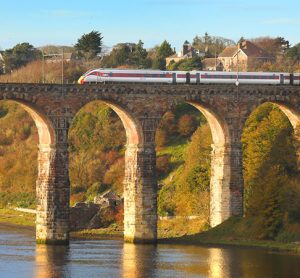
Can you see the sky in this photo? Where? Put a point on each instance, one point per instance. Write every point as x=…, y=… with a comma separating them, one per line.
x=62, y=22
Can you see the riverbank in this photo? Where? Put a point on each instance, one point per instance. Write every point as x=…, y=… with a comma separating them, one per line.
x=232, y=232
x=11, y=216
x=17, y=219
x=236, y=232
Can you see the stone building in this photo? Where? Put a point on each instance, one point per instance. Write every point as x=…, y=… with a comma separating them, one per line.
x=242, y=56
x=109, y=198
x=212, y=64
x=187, y=51
x=68, y=57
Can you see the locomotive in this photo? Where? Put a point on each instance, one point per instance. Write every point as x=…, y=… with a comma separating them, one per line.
x=102, y=75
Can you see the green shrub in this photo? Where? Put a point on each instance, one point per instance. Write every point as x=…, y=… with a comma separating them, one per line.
x=3, y=111
x=95, y=189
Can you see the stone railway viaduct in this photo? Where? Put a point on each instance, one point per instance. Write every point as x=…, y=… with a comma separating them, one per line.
x=140, y=107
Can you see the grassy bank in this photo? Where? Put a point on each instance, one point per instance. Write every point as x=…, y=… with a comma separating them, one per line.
x=17, y=218
x=112, y=231
x=235, y=231
x=238, y=232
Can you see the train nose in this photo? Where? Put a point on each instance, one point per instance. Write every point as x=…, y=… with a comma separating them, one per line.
x=81, y=80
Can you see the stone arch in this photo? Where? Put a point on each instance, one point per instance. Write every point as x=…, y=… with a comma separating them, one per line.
x=220, y=195
x=292, y=116
x=43, y=124
x=46, y=149
x=139, y=216
x=292, y=113
x=220, y=165
x=131, y=124
x=132, y=127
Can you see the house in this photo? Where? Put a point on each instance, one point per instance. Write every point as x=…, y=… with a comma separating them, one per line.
x=130, y=45
x=108, y=198
x=68, y=57
x=187, y=51
x=242, y=56
x=212, y=64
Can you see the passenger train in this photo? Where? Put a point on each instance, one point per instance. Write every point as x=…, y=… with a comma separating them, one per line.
x=187, y=77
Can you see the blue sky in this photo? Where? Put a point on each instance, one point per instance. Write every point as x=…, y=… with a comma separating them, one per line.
x=63, y=22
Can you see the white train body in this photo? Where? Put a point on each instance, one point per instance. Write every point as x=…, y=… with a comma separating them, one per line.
x=136, y=76
x=192, y=77
x=272, y=78
x=296, y=78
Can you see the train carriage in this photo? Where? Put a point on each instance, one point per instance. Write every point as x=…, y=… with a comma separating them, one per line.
x=135, y=76
x=296, y=78
x=192, y=77
x=272, y=78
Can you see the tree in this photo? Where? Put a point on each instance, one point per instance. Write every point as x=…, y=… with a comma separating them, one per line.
x=89, y=45
x=120, y=55
x=186, y=64
x=139, y=55
x=165, y=50
x=274, y=46
x=128, y=55
x=186, y=125
x=162, y=52
x=270, y=170
x=294, y=52
x=241, y=39
x=211, y=44
x=20, y=55
x=159, y=63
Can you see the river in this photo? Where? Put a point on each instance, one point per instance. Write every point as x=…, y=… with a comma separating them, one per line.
x=21, y=257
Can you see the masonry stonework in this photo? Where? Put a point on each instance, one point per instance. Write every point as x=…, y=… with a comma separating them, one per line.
x=140, y=107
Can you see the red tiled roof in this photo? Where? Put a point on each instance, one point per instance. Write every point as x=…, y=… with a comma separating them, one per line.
x=229, y=51
x=249, y=48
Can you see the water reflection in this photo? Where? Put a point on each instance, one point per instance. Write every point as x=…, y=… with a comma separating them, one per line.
x=21, y=257
x=223, y=264
x=51, y=261
x=139, y=260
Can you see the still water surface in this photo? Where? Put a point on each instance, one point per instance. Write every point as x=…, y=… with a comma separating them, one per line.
x=21, y=257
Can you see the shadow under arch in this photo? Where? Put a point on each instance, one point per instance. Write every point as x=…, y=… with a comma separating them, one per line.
x=220, y=198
